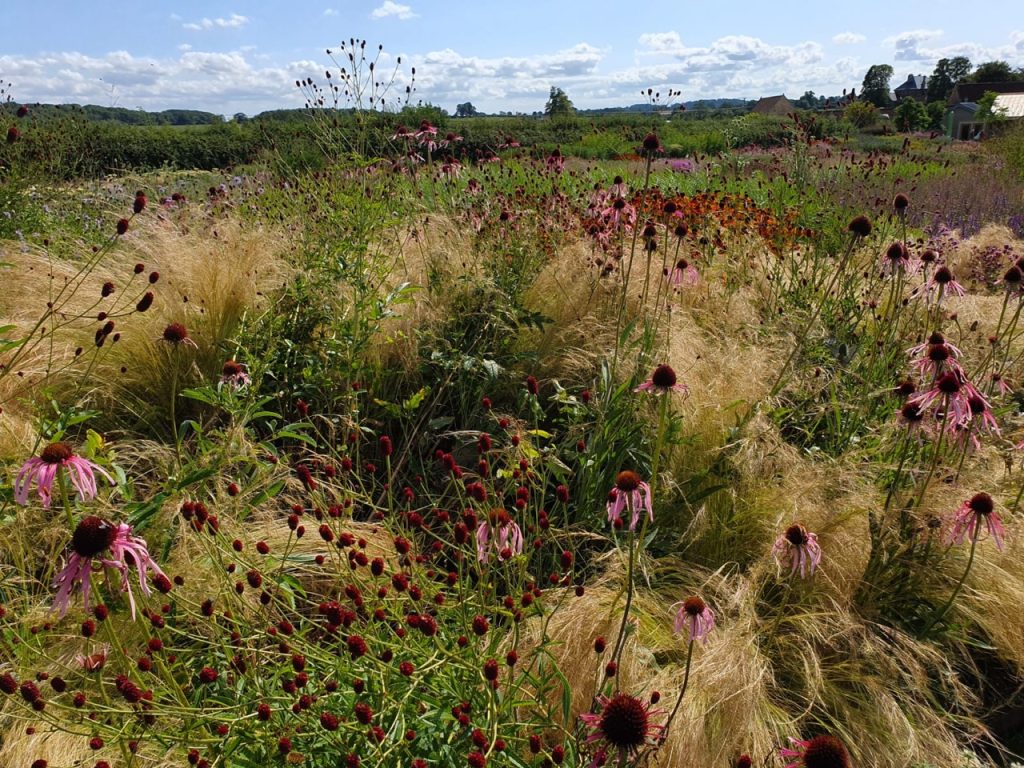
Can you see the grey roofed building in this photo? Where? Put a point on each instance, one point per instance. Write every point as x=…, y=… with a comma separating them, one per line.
x=915, y=87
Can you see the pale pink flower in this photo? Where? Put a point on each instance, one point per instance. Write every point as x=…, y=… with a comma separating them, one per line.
x=629, y=492
x=234, y=374
x=44, y=468
x=799, y=549
x=968, y=519
x=92, y=537
x=943, y=279
x=663, y=380
x=93, y=662
x=683, y=273
x=696, y=618
x=820, y=752
x=500, y=532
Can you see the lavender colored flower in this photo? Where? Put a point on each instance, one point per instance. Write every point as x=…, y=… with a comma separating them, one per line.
x=92, y=538
x=696, y=618
x=499, y=530
x=968, y=520
x=631, y=493
x=44, y=468
x=798, y=548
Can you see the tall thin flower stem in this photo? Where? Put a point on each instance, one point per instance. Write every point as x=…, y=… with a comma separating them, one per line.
x=620, y=641
x=682, y=692
x=173, y=409
x=659, y=440
x=959, y=585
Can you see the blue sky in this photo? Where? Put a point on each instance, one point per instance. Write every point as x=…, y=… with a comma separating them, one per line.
x=229, y=57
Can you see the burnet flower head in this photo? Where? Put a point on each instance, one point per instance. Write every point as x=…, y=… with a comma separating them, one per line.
x=97, y=544
x=632, y=494
x=797, y=548
x=623, y=726
x=977, y=512
x=43, y=469
x=696, y=618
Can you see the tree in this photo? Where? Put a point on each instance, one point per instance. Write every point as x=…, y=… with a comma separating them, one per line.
x=990, y=115
x=936, y=115
x=558, y=104
x=861, y=114
x=948, y=72
x=808, y=100
x=875, y=88
x=910, y=115
x=995, y=72
x=466, y=110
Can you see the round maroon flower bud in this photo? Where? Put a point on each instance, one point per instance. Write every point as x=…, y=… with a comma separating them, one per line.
x=140, y=202
x=207, y=675
x=122, y=226
x=145, y=302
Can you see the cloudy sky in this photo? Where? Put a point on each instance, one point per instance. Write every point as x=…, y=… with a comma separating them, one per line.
x=245, y=56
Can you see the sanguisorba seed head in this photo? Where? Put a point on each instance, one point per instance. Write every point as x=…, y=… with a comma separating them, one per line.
x=826, y=752
x=55, y=453
x=627, y=481
x=981, y=503
x=624, y=722
x=92, y=536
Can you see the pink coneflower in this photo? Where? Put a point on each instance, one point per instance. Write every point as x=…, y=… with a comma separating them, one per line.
x=663, y=380
x=798, y=548
x=967, y=521
x=234, y=374
x=623, y=725
x=696, y=618
x=500, y=530
x=944, y=281
x=555, y=162
x=951, y=394
x=619, y=214
x=632, y=493
x=44, y=468
x=403, y=134
x=683, y=273
x=819, y=752
x=897, y=260
x=92, y=537
x=936, y=357
x=176, y=334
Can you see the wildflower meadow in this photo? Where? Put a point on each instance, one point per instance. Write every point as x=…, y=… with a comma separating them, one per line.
x=399, y=443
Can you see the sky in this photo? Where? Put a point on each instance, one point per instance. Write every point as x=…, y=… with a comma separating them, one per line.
x=245, y=56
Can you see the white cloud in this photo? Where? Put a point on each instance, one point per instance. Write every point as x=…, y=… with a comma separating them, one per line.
x=848, y=38
x=232, y=22
x=331, y=12
x=391, y=8
x=911, y=46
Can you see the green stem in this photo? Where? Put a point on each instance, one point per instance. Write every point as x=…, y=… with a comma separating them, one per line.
x=959, y=584
x=682, y=692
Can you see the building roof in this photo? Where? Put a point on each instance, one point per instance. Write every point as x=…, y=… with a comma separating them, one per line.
x=974, y=91
x=1010, y=104
x=774, y=105
x=913, y=83
x=967, y=106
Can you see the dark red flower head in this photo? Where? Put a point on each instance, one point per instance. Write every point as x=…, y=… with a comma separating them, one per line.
x=55, y=453
x=175, y=333
x=627, y=481
x=92, y=536
x=981, y=504
x=651, y=142
x=900, y=203
x=860, y=226
x=826, y=752
x=694, y=606
x=796, y=535
x=664, y=376
x=624, y=722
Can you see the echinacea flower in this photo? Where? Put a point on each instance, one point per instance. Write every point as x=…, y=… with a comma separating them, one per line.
x=798, y=548
x=632, y=493
x=820, y=752
x=696, y=618
x=234, y=374
x=967, y=521
x=682, y=273
x=176, y=334
x=944, y=281
x=663, y=380
x=501, y=531
x=92, y=537
x=623, y=725
x=44, y=468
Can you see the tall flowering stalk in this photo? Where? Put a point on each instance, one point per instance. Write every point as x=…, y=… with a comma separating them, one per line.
x=630, y=494
x=697, y=620
x=975, y=514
